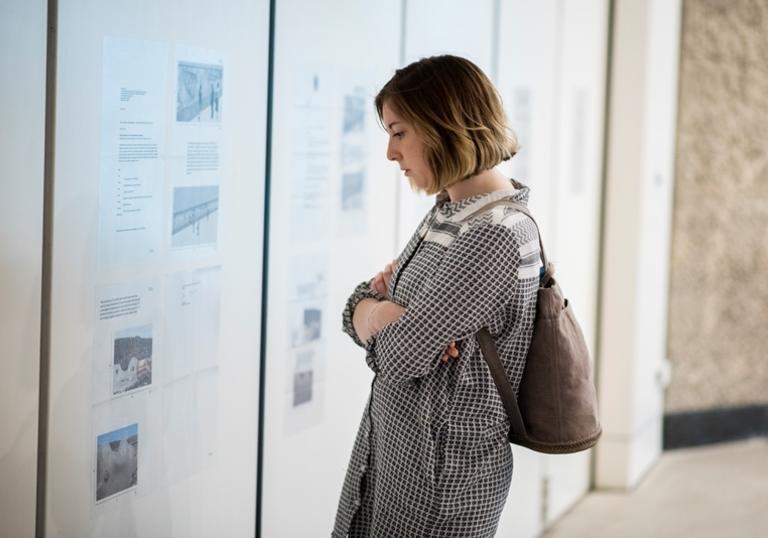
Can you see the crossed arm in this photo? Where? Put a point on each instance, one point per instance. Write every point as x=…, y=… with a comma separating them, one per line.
x=473, y=284
x=371, y=315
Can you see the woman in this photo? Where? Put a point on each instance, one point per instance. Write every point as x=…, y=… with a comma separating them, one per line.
x=431, y=456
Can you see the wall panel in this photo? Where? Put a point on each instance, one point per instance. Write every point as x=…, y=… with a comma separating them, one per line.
x=332, y=222
x=433, y=27
x=576, y=200
x=22, y=61
x=528, y=55
x=551, y=78
x=156, y=268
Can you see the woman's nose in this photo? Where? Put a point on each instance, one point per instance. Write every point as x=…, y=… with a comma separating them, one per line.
x=392, y=155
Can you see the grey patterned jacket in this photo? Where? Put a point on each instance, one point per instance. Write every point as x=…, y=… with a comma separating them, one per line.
x=431, y=456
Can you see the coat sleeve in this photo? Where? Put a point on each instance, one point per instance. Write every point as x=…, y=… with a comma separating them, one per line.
x=364, y=290
x=476, y=280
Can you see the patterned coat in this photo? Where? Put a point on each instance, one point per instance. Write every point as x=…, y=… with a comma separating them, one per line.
x=431, y=456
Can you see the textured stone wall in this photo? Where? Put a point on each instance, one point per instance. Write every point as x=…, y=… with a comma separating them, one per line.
x=718, y=317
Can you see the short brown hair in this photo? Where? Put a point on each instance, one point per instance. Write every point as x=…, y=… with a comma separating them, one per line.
x=457, y=110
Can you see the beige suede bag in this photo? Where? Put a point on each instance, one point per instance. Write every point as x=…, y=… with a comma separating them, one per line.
x=556, y=408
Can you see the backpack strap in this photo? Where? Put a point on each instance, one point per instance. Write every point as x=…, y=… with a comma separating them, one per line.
x=549, y=269
x=491, y=356
x=485, y=340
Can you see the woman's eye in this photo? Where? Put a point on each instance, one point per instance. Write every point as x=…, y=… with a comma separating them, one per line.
x=398, y=134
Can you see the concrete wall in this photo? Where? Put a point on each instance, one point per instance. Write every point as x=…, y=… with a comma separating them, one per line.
x=718, y=308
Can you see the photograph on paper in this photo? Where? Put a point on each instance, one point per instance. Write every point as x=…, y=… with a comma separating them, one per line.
x=199, y=92
x=306, y=323
x=308, y=284
x=195, y=216
x=132, y=359
x=117, y=461
x=305, y=387
x=354, y=111
x=351, y=219
x=302, y=378
x=126, y=339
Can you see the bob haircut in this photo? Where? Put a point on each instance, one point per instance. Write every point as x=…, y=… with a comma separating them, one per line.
x=458, y=112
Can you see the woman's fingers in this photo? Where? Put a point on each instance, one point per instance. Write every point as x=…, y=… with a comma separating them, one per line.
x=451, y=352
x=378, y=284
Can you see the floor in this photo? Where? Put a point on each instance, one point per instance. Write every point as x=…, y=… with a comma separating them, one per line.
x=715, y=491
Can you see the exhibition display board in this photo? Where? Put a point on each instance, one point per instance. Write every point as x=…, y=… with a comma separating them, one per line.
x=332, y=223
x=161, y=188
x=157, y=260
x=316, y=380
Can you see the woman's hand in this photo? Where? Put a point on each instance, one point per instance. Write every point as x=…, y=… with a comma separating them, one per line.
x=380, y=282
x=451, y=352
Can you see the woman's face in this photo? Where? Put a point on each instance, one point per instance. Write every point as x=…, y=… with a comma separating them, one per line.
x=406, y=146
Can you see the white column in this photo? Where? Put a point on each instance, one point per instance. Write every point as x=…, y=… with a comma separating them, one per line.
x=639, y=185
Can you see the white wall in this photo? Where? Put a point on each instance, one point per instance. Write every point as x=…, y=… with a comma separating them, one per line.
x=577, y=193
x=197, y=421
x=551, y=76
x=22, y=62
x=435, y=27
x=564, y=84
x=526, y=82
x=637, y=230
x=548, y=63
x=307, y=444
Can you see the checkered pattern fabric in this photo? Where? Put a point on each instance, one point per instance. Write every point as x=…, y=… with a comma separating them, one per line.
x=431, y=457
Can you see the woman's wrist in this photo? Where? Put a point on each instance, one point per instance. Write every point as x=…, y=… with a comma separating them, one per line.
x=362, y=317
x=371, y=321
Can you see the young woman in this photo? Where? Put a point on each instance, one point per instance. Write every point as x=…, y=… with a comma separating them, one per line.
x=431, y=456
